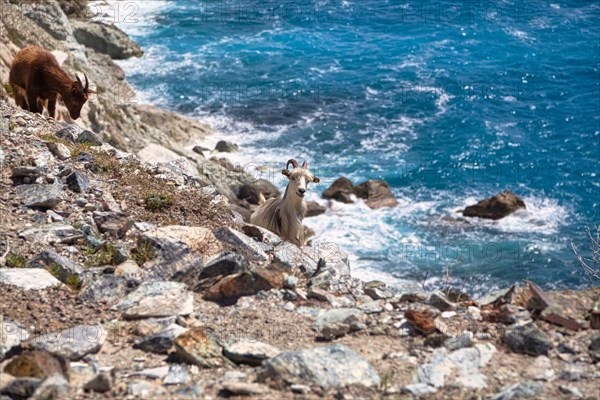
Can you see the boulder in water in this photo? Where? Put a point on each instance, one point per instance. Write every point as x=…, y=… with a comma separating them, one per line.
x=495, y=207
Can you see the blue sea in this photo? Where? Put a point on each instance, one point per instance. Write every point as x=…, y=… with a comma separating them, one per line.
x=448, y=101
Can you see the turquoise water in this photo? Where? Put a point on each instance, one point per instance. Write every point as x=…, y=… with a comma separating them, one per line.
x=448, y=101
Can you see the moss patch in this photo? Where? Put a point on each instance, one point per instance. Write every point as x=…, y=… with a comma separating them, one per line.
x=14, y=260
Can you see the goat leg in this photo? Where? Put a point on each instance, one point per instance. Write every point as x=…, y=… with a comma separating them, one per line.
x=52, y=106
x=32, y=99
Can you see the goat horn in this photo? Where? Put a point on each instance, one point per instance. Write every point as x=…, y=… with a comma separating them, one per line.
x=305, y=165
x=87, y=83
x=293, y=162
x=78, y=80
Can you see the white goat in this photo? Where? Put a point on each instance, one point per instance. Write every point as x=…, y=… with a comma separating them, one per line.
x=284, y=215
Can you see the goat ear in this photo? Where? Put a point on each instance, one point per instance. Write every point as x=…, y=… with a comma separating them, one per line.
x=305, y=165
x=285, y=172
x=316, y=180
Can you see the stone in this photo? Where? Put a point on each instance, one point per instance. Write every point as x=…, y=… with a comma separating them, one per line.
x=340, y=190
x=595, y=342
x=150, y=326
x=463, y=340
x=376, y=194
x=179, y=171
x=290, y=282
x=200, y=150
x=12, y=334
x=540, y=370
x=474, y=313
x=571, y=390
x=539, y=300
x=38, y=364
x=156, y=299
x=329, y=367
x=294, y=258
x=198, y=347
x=243, y=389
x=192, y=391
x=418, y=389
x=68, y=133
x=333, y=274
x=177, y=375
x=145, y=390
x=252, y=191
x=497, y=297
x=496, y=207
x=251, y=249
x=114, y=224
x=109, y=203
x=261, y=234
x=88, y=137
x=106, y=288
x=128, y=268
x=336, y=322
x=371, y=307
x=595, y=316
x=161, y=342
x=251, y=353
x=556, y=315
x=28, y=278
x=422, y=320
x=527, y=338
x=460, y=366
x=54, y=387
x=44, y=196
x=103, y=382
x=20, y=388
x=313, y=209
x=61, y=267
x=152, y=373
x=72, y=343
x=59, y=150
x=438, y=300
x=222, y=264
x=78, y=182
x=226, y=147
x=246, y=283
x=26, y=171
x=377, y=293
x=106, y=39
x=571, y=372
x=521, y=390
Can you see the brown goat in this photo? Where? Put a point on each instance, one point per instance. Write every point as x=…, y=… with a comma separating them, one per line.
x=36, y=77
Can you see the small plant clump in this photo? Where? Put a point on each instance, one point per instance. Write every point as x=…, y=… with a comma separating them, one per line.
x=105, y=255
x=143, y=252
x=73, y=281
x=14, y=260
x=158, y=201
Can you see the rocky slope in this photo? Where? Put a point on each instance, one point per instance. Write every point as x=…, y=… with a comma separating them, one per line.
x=126, y=279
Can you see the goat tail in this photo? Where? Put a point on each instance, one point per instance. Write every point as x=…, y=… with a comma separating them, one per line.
x=261, y=199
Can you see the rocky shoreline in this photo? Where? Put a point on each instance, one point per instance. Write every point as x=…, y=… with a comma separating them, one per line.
x=128, y=270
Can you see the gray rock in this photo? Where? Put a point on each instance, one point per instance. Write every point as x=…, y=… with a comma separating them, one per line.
x=333, y=275
x=12, y=334
x=152, y=373
x=106, y=288
x=571, y=390
x=61, y=267
x=336, y=322
x=193, y=391
x=177, y=375
x=328, y=367
x=54, y=387
x=371, y=307
x=496, y=297
x=161, y=342
x=439, y=301
x=27, y=171
x=314, y=209
x=462, y=365
x=115, y=224
x=69, y=133
x=376, y=193
x=226, y=147
x=59, y=150
x=340, y=190
x=150, y=326
x=50, y=17
x=377, y=292
x=89, y=137
x=458, y=342
x=252, y=191
x=418, y=389
x=200, y=149
x=290, y=282
x=156, y=299
x=251, y=249
x=496, y=207
x=144, y=389
x=527, y=338
x=294, y=258
x=595, y=347
x=105, y=38
x=52, y=233
x=102, y=382
x=251, y=353
x=28, y=278
x=522, y=390
x=78, y=182
x=243, y=389
x=261, y=234
x=40, y=196
x=73, y=343
x=21, y=388
x=222, y=264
